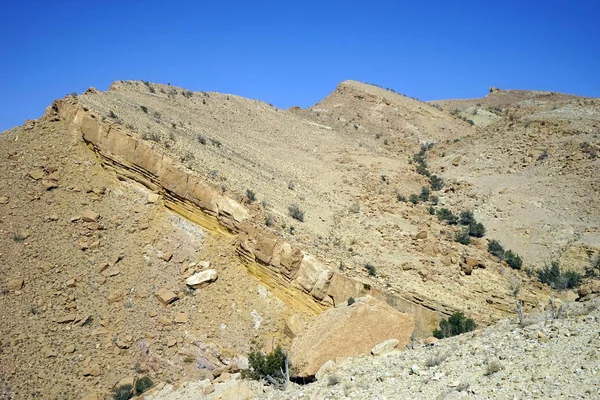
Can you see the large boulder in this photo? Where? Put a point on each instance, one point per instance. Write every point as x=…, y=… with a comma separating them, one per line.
x=343, y=332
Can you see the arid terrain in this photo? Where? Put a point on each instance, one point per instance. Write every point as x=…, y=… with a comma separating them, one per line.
x=153, y=231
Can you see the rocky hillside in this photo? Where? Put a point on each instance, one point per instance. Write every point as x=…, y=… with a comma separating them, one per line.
x=153, y=231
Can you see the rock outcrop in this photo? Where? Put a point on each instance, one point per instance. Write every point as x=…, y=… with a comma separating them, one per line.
x=348, y=331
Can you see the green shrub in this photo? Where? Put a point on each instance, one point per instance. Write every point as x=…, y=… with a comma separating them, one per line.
x=123, y=392
x=513, y=259
x=434, y=200
x=422, y=169
x=496, y=249
x=201, y=139
x=371, y=270
x=455, y=325
x=476, y=229
x=444, y=214
x=463, y=237
x=296, y=212
x=144, y=109
x=250, y=195
x=269, y=220
x=431, y=210
x=143, y=384
x=425, y=192
x=272, y=365
x=112, y=115
x=552, y=275
x=436, y=182
x=413, y=198
x=400, y=197
x=467, y=217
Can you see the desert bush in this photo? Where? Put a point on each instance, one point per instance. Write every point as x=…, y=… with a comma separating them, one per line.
x=156, y=115
x=144, y=109
x=553, y=276
x=400, y=197
x=112, y=115
x=431, y=210
x=463, y=237
x=271, y=367
x=143, y=384
x=269, y=220
x=434, y=200
x=296, y=212
x=371, y=270
x=496, y=249
x=436, y=182
x=422, y=170
x=513, y=259
x=250, y=195
x=467, y=217
x=123, y=392
x=201, y=139
x=444, y=214
x=413, y=198
x=492, y=367
x=425, y=192
x=436, y=359
x=455, y=325
x=476, y=229
x=593, y=268
x=18, y=237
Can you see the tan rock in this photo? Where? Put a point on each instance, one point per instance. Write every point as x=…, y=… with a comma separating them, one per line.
x=90, y=216
x=313, y=276
x=4, y=200
x=152, y=198
x=166, y=296
x=167, y=256
x=91, y=370
x=49, y=184
x=201, y=279
x=16, y=284
x=294, y=326
x=128, y=380
x=385, y=347
x=208, y=389
x=114, y=297
x=66, y=319
x=181, y=318
x=70, y=349
x=36, y=174
x=164, y=321
x=344, y=332
x=421, y=235
x=90, y=396
x=456, y=161
x=325, y=370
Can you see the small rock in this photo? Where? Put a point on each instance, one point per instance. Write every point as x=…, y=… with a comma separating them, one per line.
x=36, y=174
x=128, y=380
x=16, y=284
x=70, y=349
x=203, y=278
x=167, y=256
x=4, y=200
x=385, y=347
x=166, y=296
x=91, y=370
x=152, y=198
x=71, y=283
x=90, y=216
x=181, y=318
x=165, y=321
x=204, y=264
x=114, y=297
x=122, y=345
x=208, y=389
x=66, y=319
x=49, y=184
x=171, y=342
x=421, y=235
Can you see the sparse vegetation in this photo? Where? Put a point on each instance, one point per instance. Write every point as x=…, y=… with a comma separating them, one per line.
x=445, y=214
x=467, y=217
x=112, y=115
x=492, y=367
x=553, y=276
x=436, y=359
x=250, y=195
x=496, y=249
x=144, y=109
x=296, y=212
x=513, y=259
x=152, y=136
x=200, y=139
x=371, y=270
x=425, y=192
x=143, y=384
x=455, y=325
x=400, y=197
x=123, y=392
x=463, y=237
x=272, y=367
x=476, y=229
x=18, y=237
x=436, y=182
x=269, y=220
x=413, y=198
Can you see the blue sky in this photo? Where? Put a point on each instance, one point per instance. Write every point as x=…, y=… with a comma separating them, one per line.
x=294, y=53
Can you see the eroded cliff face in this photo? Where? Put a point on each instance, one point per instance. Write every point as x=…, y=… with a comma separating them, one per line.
x=299, y=279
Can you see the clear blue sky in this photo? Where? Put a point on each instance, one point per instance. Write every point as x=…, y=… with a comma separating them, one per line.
x=294, y=53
